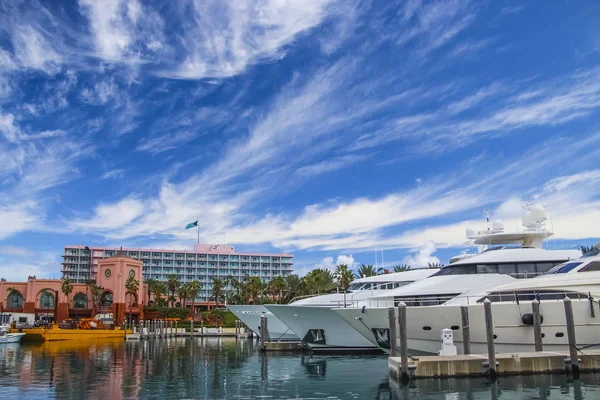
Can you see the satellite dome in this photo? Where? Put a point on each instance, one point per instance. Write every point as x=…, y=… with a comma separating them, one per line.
x=498, y=225
x=538, y=214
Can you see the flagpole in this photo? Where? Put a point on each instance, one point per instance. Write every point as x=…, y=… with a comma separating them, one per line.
x=198, y=226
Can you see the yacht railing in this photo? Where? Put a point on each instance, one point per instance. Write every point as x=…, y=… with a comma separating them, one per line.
x=424, y=301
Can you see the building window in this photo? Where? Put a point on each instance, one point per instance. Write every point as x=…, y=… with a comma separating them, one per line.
x=14, y=299
x=47, y=300
x=80, y=300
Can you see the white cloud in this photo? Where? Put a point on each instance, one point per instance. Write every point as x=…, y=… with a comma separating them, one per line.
x=114, y=174
x=423, y=257
x=100, y=93
x=8, y=127
x=223, y=39
x=166, y=142
x=18, y=218
x=113, y=216
x=330, y=165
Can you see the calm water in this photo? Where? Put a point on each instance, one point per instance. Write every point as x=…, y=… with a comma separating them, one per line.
x=221, y=368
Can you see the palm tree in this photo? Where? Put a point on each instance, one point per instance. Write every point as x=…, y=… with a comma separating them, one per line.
x=276, y=287
x=401, y=268
x=193, y=288
x=183, y=294
x=158, y=289
x=293, y=287
x=587, y=249
x=172, y=286
x=97, y=296
x=319, y=280
x=434, y=265
x=67, y=288
x=217, y=289
x=132, y=286
x=254, y=289
x=344, y=277
x=367, y=270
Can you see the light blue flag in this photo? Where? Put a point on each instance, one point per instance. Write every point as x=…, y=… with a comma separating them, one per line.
x=191, y=225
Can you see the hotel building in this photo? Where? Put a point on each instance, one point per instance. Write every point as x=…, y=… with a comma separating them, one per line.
x=204, y=263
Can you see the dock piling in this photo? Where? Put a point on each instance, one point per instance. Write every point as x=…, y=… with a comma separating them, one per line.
x=192, y=327
x=176, y=328
x=489, y=330
x=404, y=377
x=537, y=325
x=392, y=332
x=466, y=331
x=202, y=327
x=263, y=331
x=570, y=320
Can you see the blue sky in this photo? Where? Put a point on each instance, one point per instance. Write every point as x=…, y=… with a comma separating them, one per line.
x=324, y=128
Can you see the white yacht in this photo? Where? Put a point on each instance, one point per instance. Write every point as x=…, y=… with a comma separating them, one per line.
x=313, y=320
x=476, y=275
x=512, y=311
x=360, y=288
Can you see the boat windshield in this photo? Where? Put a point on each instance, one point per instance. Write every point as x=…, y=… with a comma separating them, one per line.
x=592, y=253
x=564, y=268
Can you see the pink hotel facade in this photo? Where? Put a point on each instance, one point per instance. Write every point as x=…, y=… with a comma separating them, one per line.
x=204, y=263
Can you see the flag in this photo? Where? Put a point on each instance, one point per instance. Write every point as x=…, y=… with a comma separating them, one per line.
x=191, y=225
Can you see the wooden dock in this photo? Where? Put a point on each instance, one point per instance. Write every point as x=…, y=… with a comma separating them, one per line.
x=475, y=365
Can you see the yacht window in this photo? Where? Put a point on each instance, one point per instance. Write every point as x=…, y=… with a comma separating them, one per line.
x=544, y=267
x=593, y=266
x=487, y=268
x=457, y=270
x=507, y=269
x=566, y=268
x=526, y=268
x=367, y=286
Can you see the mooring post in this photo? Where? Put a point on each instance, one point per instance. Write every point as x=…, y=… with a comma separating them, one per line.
x=466, y=331
x=404, y=377
x=392, y=331
x=192, y=327
x=537, y=325
x=141, y=329
x=571, y=336
x=176, y=328
x=489, y=330
x=202, y=327
x=263, y=331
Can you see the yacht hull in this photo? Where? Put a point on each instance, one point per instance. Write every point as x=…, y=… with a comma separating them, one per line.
x=250, y=315
x=512, y=335
x=321, y=328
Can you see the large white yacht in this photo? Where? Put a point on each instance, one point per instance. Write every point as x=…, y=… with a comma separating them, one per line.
x=313, y=320
x=359, y=288
x=476, y=275
x=512, y=311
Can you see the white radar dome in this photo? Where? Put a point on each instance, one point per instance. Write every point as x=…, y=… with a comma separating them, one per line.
x=538, y=214
x=498, y=225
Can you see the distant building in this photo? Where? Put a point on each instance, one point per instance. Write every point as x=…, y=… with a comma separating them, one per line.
x=204, y=263
x=43, y=299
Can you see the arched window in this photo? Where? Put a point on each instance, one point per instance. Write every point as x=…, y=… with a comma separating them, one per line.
x=80, y=300
x=14, y=299
x=47, y=300
x=107, y=299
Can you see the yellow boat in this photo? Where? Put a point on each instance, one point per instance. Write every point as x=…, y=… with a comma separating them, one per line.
x=55, y=333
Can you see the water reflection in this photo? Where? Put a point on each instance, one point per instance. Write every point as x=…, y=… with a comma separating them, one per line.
x=215, y=368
